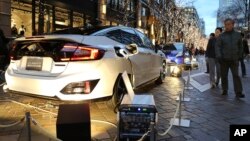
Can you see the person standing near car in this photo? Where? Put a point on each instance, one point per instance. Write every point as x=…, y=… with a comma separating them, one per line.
x=245, y=53
x=218, y=31
x=228, y=52
x=212, y=61
x=211, y=37
x=210, y=54
x=3, y=51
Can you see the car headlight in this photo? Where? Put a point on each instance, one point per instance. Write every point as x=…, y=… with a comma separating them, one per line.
x=186, y=59
x=175, y=70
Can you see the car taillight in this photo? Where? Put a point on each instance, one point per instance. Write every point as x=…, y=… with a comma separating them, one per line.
x=75, y=52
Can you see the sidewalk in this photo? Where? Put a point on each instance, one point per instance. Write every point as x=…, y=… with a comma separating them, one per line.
x=209, y=112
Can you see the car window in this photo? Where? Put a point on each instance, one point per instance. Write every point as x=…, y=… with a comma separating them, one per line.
x=175, y=49
x=179, y=46
x=113, y=34
x=169, y=47
x=130, y=37
x=146, y=42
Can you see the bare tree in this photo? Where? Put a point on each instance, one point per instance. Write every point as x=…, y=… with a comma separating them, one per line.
x=237, y=11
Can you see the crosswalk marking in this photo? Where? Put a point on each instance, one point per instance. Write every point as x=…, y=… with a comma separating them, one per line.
x=196, y=84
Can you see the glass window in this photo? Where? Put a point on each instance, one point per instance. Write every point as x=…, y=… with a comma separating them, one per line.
x=114, y=35
x=130, y=37
x=146, y=42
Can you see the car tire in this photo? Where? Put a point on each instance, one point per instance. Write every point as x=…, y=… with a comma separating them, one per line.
x=118, y=93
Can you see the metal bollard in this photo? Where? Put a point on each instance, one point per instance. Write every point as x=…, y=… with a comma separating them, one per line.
x=27, y=116
x=180, y=108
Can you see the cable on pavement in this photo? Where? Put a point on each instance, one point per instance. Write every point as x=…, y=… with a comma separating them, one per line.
x=44, y=131
x=12, y=124
x=171, y=123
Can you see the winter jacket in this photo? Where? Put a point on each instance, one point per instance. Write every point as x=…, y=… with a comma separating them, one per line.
x=229, y=46
x=210, y=52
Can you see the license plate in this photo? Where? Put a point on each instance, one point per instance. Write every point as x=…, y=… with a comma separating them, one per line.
x=34, y=64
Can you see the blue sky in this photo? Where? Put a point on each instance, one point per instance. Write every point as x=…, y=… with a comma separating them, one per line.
x=207, y=10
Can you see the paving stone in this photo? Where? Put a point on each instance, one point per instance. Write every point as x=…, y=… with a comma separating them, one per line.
x=201, y=136
x=9, y=137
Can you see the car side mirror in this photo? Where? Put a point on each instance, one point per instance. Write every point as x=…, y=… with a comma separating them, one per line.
x=132, y=49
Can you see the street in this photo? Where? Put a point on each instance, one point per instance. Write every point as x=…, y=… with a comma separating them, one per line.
x=209, y=112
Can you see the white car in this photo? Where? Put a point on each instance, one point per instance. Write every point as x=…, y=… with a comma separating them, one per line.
x=82, y=66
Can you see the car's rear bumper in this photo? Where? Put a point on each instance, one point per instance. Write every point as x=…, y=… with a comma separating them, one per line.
x=52, y=86
x=47, y=87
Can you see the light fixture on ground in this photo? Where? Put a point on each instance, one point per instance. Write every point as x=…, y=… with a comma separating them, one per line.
x=175, y=71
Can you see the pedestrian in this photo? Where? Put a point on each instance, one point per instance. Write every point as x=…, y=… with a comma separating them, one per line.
x=210, y=54
x=14, y=30
x=4, y=54
x=245, y=53
x=211, y=36
x=21, y=30
x=212, y=61
x=218, y=31
x=157, y=45
x=228, y=52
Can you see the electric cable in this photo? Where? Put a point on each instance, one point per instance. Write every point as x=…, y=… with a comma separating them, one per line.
x=36, y=123
x=12, y=124
x=105, y=122
x=144, y=135
x=46, y=133
x=27, y=105
x=171, y=124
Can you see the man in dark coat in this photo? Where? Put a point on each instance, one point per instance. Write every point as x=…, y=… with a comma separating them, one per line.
x=228, y=51
x=4, y=54
x=245, y=53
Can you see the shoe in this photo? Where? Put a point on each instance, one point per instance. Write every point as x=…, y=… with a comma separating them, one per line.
x=240, y=95
x=206, y=72
x=224, y=93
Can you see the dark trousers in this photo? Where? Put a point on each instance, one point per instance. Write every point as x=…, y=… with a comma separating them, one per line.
x=234, y=67
x=243, y=67
x=2, y=62
x=207, y=66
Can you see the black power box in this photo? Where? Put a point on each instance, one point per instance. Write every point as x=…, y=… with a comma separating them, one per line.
x=136, y=120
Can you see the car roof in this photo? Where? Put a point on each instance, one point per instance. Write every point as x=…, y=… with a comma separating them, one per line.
x=89, y=30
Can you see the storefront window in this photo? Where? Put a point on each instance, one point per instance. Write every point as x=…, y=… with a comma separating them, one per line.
x=21, y=14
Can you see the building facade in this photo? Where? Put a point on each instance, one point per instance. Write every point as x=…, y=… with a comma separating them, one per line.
x=202, y=27
x=152, y=17
x=5, y=15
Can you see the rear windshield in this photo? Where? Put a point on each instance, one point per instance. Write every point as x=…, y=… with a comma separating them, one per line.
x=173, y=49
x=37, y=48
x=81, y=30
